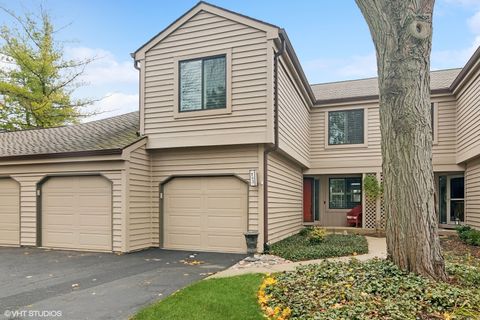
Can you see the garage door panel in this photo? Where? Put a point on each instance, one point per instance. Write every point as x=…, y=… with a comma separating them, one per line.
x=9, y=213
x=184, y=221
x=93, y=221
x=205, y=213
x=185, y=202
x=180, y=240
x=94, y=240
x=226, y=241
x=220, y=222
x=77, y=213
x=216, y=202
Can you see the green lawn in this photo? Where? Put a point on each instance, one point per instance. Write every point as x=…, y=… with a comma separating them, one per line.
x=225, y=298
x=298, y=248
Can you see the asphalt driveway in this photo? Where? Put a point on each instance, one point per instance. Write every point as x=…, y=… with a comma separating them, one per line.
x=43, y=284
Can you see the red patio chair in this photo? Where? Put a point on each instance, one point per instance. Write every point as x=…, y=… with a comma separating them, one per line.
x=354, y=216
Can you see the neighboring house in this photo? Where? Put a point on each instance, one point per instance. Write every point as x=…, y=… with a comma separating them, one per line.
x=229, y=138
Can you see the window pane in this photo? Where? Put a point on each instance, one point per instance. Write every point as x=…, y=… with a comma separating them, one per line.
x=190, y=85
x=442, y=201
x=337, y=193
x=345, y=127
x=354, y=192
x=345, y=193
x=457, y=188
x=214, y=73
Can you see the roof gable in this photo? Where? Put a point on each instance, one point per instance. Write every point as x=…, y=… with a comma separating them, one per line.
x=270, y=29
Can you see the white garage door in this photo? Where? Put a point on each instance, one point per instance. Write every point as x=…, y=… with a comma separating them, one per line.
x=77, y=213
x=205, y=214
x=9, y=213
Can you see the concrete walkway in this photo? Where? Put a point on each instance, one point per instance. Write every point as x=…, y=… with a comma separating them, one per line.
x=377, y=248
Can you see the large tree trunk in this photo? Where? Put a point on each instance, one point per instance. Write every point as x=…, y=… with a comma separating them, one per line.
x=402, y=33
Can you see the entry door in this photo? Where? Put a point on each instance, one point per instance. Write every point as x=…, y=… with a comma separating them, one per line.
x=308, y=200
x=455, y=199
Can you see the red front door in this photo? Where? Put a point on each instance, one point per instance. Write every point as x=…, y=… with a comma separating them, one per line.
x=307, y=200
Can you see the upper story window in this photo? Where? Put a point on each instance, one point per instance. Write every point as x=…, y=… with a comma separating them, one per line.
x=346, y=127
x=202, y=84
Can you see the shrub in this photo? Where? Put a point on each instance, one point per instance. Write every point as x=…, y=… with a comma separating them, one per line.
x=469, y=235
x=376, y=289
x=305, y=231
x=317, y=235
x=299, y=248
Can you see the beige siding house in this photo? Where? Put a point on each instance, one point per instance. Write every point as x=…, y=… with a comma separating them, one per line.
x=229, y=138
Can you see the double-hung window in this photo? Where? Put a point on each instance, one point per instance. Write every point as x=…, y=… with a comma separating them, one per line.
x=346, y=127
x=345, y=193
x=202, y=84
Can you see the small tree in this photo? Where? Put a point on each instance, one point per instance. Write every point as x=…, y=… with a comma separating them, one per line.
x=372, y=188
x=36, y=81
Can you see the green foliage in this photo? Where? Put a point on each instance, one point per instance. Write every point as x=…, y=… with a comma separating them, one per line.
x=298, y=247
x=37, y=84
x=372, y=188
x=376, y=289
x=305, y=231
x=317, y=235
x=226, y=298
x=469, y=235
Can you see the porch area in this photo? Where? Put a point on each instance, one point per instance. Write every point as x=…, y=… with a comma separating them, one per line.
x=338, y=202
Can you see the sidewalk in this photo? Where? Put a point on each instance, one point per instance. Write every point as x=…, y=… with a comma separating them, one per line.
x=377, y=248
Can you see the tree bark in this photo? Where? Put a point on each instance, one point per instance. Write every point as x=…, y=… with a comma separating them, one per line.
x=402, y=34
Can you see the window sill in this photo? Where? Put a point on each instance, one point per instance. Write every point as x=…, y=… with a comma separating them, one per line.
x=346, y=146
x=202, y=113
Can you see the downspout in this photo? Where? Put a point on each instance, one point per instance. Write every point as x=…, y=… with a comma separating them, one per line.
x=275, y=144
x=135, y=65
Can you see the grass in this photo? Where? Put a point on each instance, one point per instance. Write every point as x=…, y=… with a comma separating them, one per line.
x=299, y=248
x=223, y=298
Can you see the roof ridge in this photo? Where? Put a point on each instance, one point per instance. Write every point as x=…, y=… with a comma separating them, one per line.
x=371, y=78
x=71, y=125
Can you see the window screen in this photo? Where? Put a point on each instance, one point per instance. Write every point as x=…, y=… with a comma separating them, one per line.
x=345, y=127
x=202, y=84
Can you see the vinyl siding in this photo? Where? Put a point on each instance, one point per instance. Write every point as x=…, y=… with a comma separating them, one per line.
x=472, y=193
x=139, y=200
x=368, y=158
x=203, y=33
x=285, y=198
x=294, y=118
x=29, y=176
x=468, y=119
x=205, y=161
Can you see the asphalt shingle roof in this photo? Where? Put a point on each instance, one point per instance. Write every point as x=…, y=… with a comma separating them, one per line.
x=441, y=79
x=108, y=134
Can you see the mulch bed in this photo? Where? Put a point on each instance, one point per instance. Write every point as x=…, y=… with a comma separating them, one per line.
x=454, y=246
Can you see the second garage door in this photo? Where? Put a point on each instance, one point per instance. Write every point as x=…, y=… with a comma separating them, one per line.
x=205, y=214
x=77, y=213
x=9, y=213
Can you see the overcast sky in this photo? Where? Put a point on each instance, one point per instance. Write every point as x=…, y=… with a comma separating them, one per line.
x=331, y=38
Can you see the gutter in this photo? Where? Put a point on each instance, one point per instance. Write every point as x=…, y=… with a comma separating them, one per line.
x=275, y=144
x=68, y=154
